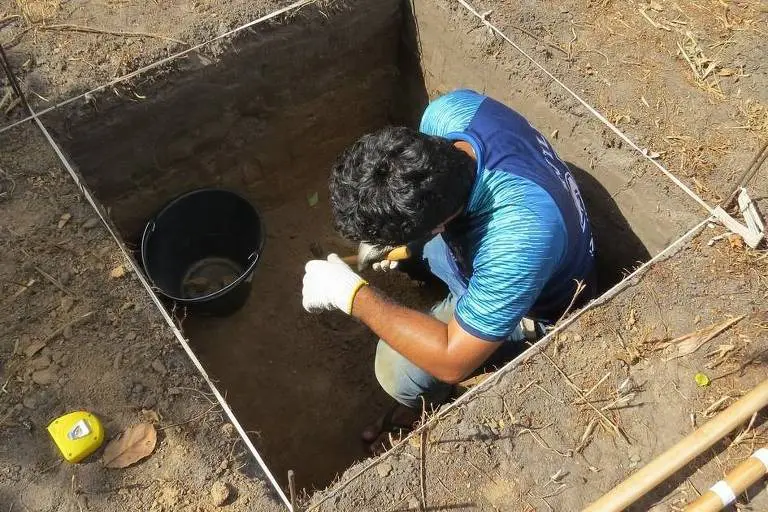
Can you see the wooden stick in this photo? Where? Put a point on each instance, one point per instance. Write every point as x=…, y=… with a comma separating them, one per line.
x=687, y=449
x=738, y=480
x=423, y=456
x=93, y=30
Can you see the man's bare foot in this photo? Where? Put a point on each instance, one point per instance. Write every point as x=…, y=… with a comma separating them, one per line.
x=398, y=421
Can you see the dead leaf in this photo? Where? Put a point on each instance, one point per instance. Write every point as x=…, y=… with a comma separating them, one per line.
x=117, y=272
x=693, y=341
x=736, y=241
x=134, y=444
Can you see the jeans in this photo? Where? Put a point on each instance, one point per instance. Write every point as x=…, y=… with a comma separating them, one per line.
x=407, y=383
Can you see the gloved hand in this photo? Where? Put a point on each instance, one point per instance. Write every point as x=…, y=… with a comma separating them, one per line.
x=330, y=284
x=369, y=255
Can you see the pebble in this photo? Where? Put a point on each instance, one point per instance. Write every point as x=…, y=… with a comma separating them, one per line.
x=29, y=402
x=158, y=366
x=413, y=504
x=67, y=332
x=66, y=303
x=91, y=223
x=219, y=493
x=44, y=377
x=41, y=362
x=65, y=277
x=384, y=469
x=138, y=387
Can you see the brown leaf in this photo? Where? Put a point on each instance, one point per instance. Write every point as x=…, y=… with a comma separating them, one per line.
x=134, y=444
x=117, y=272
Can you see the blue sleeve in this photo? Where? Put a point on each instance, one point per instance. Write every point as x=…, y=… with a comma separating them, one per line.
x=525, y=242
x=450, y=113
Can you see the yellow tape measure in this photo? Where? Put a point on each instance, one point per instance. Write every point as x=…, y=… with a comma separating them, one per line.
x=76, y=435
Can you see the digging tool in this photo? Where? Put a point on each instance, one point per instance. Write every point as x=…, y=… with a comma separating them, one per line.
x=396, y=254
x=687, y=449
x=738, y=480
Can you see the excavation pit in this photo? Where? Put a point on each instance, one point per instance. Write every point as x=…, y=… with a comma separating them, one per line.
x=265, y=117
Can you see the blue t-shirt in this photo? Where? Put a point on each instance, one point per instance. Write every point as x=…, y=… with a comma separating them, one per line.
x=524, y=236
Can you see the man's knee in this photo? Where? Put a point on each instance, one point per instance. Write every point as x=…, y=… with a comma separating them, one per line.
x=386, y=368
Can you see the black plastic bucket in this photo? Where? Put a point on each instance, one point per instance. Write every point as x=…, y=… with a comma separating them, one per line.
x=201, y=249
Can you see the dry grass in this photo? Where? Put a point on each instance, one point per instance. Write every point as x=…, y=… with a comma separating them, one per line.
x=38, y=11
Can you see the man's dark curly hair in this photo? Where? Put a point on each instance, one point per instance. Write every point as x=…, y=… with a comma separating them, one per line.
x=397, y=185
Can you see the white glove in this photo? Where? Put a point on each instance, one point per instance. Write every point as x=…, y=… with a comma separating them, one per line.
x=330, y=284
x=374, y=255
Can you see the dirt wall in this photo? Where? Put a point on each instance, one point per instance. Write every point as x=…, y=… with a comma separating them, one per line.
x=246, y=121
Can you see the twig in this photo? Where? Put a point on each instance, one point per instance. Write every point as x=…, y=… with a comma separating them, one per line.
x=292, y=489
x=190, y=420
x=92, y=30
x=576, y=402
x=586, y=437
x=54, y=281
x=540, y=441
x=423, y=456
x=579, y=288
x=553, y=397
x=579, y=392
x=740, y=437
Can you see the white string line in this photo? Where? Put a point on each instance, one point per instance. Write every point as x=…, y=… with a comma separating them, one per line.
x=540, y=346
x=594, y=111
x=179, y=336
x=128, y=76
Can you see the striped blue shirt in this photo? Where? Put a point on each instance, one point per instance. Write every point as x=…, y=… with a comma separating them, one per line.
x=524, y=236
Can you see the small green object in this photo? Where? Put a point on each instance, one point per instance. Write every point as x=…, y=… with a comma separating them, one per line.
x=701, y=380
x=313, y=199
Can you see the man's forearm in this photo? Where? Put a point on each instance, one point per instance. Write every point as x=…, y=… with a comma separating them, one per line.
x=421, y=338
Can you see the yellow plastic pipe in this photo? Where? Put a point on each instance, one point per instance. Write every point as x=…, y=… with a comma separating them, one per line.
x=688, y=448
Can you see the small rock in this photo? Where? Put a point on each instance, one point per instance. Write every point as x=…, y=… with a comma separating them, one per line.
x=577, y=338
x=66, y=303
x=29, y=402
x=384, y=469
x=41, y=362
x=91, y=223
x=220, y=492
x=64, y=277
x=413, y=504
x=130, y=336
x=158, y=366
x=44, y=377
x=67, y=332
x=64, y=219
x=138, y=387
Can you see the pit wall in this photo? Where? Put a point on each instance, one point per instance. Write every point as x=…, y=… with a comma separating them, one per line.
x=264, y=117
x=634, y=211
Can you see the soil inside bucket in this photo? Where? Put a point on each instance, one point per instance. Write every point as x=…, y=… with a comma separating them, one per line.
x=269, y=119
